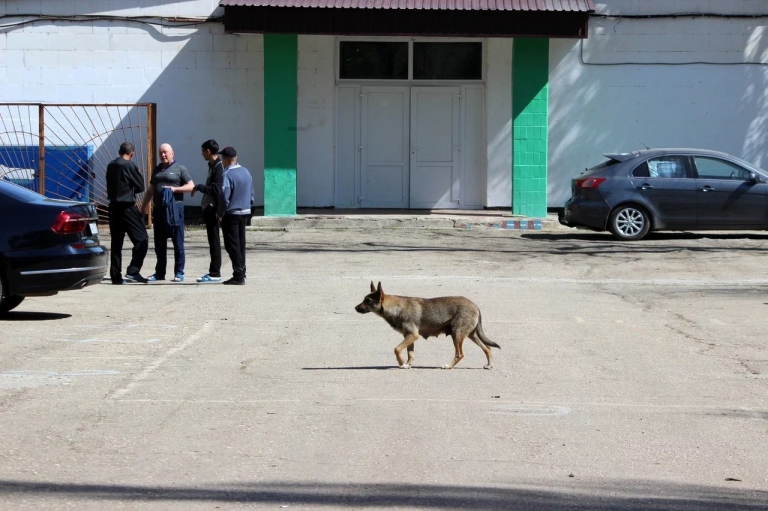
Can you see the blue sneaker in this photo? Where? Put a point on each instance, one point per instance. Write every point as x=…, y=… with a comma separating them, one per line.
x=179, y=277
x=154, y=278
x=208, y=278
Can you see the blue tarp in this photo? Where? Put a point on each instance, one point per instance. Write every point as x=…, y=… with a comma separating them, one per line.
x=67, y=175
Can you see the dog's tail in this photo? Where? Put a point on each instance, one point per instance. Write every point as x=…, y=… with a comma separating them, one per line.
x=481, y=334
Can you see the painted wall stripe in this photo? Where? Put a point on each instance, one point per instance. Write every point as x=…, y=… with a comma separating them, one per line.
x=530, y=104
x=281, y=59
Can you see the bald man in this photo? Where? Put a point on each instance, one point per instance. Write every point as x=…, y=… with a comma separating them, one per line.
x=168, y=174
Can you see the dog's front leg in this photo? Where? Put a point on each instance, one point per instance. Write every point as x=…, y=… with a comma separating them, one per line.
x=407, y=343
x=411, y=353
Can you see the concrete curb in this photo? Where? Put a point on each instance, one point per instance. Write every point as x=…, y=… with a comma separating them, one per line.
x=402, y=222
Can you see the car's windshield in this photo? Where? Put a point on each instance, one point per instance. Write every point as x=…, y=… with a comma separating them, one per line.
x=18, y=193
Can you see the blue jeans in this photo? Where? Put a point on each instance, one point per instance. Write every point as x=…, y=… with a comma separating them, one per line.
x=161, y=245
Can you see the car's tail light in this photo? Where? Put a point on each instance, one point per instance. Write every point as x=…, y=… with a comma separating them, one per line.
x=69, y=223
x=590, y=182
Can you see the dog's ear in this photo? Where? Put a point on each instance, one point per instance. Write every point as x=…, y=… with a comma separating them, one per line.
x=373, y=288
x=379, y=289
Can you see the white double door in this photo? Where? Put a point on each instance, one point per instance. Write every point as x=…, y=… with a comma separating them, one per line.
x=410, y=147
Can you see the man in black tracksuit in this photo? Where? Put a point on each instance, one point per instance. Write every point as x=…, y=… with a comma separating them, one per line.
x=124, y=181
x=211, y=190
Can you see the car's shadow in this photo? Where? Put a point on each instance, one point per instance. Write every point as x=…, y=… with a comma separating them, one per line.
x=652, y=236
x=32, y=316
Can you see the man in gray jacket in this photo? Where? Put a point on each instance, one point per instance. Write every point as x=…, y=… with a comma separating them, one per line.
x=235, y=204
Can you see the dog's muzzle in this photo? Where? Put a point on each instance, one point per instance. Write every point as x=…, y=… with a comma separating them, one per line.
x=362, y=309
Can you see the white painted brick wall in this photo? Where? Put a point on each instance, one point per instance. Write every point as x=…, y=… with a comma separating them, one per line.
x=25, y=41
x=499, y=122
x=116, y=7
x=92, y=42
x=315, y=122
x=10, y=59
x=608, y=108
x=197, y=94
x=680, y=6
x=209, y=84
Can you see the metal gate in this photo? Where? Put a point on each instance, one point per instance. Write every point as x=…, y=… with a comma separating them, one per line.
x=62, y=151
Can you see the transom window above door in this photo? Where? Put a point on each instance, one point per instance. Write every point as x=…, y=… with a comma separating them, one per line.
x=410, y=60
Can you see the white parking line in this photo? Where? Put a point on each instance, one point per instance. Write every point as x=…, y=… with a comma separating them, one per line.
x=160, y=361
x=82, y=341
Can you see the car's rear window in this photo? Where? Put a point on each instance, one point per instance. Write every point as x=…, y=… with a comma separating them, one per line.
x=18, y=193
x=672, y=167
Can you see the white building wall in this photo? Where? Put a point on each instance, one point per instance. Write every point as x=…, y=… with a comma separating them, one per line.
x=666, y=82
x=676, y=82
x=207, y=84
x=499, y=122
x=315, y=122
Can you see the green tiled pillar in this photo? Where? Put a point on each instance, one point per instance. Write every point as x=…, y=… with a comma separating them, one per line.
x=530, y=99
x=281, y=60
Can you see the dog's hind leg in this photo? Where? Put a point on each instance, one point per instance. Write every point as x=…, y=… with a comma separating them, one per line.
x=458, y=341
x=485, y=349
x=407, y=343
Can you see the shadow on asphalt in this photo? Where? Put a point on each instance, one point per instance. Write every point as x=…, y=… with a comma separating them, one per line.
x=32, y=316
x=619, y=497
x=351, y=368
x=376, y=368
x=550, y=243
x=653, y=236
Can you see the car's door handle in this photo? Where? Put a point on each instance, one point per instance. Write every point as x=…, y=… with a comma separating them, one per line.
x=707, y=189
x=646, y=187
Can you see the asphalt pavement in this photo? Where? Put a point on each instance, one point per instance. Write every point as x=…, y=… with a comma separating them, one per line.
x=631, y=376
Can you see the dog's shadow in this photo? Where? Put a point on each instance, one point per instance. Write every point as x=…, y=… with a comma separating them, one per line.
x=377, y=368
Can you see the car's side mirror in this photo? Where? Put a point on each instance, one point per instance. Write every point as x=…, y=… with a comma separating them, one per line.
x=754, y=178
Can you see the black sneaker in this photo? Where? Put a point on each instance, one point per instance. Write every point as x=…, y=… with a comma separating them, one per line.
x=234, y=282
x=117, y=282
x=135, y=277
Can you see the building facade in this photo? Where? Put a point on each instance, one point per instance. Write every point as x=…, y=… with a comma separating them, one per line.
x=415, y=105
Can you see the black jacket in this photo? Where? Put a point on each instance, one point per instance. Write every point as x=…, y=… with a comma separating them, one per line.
x=212, y=187
x=124, y=181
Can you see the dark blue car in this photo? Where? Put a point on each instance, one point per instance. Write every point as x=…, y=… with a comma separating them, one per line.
x=46, y=245
x=633, y=193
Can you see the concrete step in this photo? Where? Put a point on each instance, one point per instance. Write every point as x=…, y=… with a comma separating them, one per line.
x=442, y=220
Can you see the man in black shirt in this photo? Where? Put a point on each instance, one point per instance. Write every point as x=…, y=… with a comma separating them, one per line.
x=124, y=181
x=177, y=179
x=210, y=204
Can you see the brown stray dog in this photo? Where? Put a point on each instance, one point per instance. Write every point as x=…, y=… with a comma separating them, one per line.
x=413, y=317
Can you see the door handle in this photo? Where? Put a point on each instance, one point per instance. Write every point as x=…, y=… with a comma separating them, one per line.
x=646, y=187
x=707, y=189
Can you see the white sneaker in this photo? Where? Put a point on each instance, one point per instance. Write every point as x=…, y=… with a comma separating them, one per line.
x=208, y=278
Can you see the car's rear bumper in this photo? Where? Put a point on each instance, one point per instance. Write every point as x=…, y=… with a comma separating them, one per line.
x=45, y=274
x=592, y=214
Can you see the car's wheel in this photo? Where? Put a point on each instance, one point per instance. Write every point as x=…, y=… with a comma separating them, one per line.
x=7, y=302
x=629, y=222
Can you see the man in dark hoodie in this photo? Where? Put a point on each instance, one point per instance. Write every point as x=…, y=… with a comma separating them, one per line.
x=124, y=181
x=210, y=204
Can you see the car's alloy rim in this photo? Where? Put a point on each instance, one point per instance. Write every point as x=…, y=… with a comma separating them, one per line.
x=630, y=222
